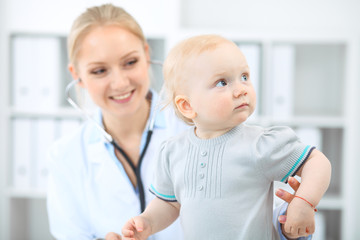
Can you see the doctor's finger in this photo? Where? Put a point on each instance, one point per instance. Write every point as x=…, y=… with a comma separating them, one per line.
x=112, y=236
x=294, y=183
x=284, y=195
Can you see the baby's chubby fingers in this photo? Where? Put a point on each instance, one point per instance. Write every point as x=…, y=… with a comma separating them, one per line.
x=112, y=236
x=291, y=229
x=127, y=233
x=294, y=230
x=138, y=223
x=302, y=231
x=310, y=230
x=135, y=224
x=287, y=228
x=128, y=238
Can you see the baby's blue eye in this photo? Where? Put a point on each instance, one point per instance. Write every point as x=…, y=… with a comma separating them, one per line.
x=221, y=83
x=244, y=78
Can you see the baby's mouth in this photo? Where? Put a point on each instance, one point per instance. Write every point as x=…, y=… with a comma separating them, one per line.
x=242, y=105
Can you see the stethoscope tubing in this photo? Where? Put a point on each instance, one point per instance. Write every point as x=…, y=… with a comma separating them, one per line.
x=107, y=136
x=136, y=169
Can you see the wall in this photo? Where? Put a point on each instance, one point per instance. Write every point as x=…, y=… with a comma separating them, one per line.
x=38, y=15
x=3, y=88
x=272, y=15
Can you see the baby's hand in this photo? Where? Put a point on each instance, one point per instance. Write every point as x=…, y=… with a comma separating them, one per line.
x=137, y=228
x=300, y=218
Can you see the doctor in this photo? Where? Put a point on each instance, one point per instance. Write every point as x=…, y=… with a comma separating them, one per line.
x=95, y=185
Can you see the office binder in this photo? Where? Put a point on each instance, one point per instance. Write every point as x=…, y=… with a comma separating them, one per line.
x=24, y=74
x=48, y=72
x=44, y=137
x=22, y=153
x=282, y=92
x=36, y=72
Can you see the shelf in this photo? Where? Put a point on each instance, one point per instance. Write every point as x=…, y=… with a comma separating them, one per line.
x=63, y=112
x=29, y=193
x=330, y=203
x=313, y=121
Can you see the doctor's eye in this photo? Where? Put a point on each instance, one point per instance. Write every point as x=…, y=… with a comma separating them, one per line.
x=221, y=83
x=131, y=62
x=98, y=71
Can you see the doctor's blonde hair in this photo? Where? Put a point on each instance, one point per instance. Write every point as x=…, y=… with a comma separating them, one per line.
x=103, y=15
x=175, y=66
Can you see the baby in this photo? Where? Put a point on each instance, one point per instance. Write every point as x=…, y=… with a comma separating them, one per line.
x=218, y=176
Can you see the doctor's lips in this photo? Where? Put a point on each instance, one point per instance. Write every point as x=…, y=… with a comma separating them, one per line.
x=122, y=98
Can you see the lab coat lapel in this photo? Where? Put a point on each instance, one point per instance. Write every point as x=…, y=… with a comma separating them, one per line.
x=105, y=172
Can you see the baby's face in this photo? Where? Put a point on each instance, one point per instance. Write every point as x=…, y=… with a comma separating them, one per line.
x=220, y=88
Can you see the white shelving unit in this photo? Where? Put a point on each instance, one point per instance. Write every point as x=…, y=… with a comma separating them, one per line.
x=324, y=87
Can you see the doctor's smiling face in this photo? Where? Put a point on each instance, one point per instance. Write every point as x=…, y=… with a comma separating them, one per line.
x=113, y=65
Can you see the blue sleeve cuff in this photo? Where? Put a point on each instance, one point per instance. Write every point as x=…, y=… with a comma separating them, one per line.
x=281, y=211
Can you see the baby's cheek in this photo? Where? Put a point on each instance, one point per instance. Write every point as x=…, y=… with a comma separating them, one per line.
x=222, y=109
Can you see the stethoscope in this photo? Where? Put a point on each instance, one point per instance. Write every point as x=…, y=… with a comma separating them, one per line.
x=109, y=138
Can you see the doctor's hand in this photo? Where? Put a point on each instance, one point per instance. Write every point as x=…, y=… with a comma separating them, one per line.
x=112, y=236
x=288, y=197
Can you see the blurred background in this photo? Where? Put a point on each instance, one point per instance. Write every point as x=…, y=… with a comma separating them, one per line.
x=304, y=58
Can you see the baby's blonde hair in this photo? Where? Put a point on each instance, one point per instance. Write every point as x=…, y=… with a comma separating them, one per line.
x=103, y=15
x=175, y=65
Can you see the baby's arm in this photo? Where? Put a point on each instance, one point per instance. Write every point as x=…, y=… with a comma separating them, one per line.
x=315, y=178
x=158, y=215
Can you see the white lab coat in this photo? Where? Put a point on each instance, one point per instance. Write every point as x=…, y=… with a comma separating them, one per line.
x=89, y=193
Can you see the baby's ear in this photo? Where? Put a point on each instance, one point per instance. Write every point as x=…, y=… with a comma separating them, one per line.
x=183, y=105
